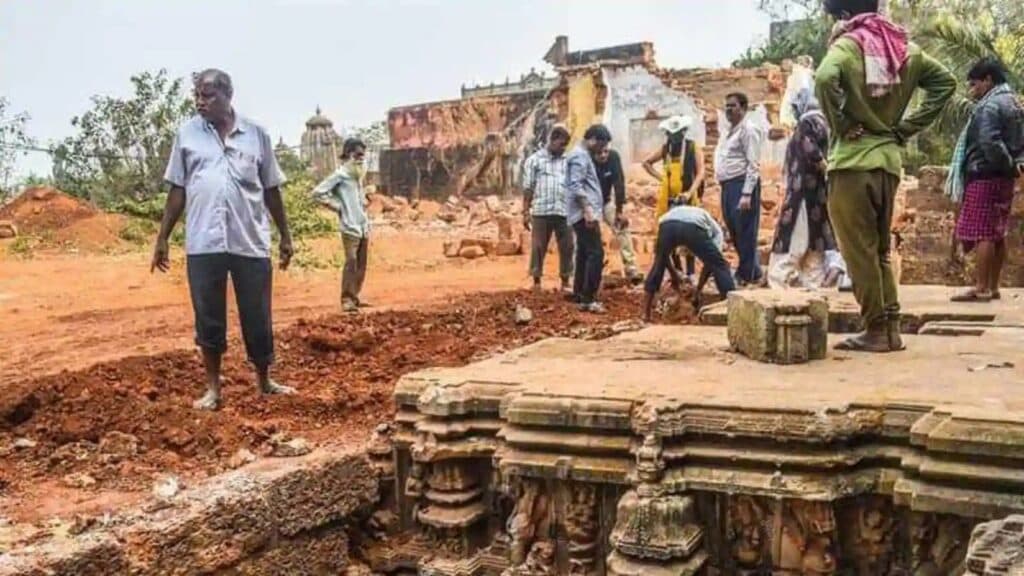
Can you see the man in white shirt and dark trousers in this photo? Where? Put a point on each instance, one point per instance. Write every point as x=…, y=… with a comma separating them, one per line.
x=737, y=167
x=225, y=178
x=692, y=228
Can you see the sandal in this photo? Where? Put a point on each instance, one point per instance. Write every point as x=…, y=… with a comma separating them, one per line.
x=971, y=295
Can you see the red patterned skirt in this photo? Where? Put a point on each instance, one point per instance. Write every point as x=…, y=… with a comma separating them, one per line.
x=985, y=212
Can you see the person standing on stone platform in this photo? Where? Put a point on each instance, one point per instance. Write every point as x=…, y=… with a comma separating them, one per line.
x=585, y=203
x=738, y=169
x=225, y=179
x=865, y=85
x=342, y=193
x=989, y=157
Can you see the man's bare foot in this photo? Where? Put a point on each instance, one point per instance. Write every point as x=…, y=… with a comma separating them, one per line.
x=210, y=401
x=271, y=388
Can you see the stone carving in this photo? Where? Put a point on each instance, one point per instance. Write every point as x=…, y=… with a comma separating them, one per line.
x=748, y=532
x=414, y=484
x=938, y=544
x=997, y=548
x=582, y=528
x=656, y=535
x=806, y=541
x=529, y=522
x=541, y=559
x=870, y=536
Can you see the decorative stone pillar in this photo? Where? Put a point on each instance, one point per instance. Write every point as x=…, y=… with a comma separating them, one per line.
x=655, y=533
x=583, y=528
x=997, y=548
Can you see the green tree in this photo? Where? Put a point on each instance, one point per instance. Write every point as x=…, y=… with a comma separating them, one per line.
x=13, y=140
x=799, y=28
x=121, y=146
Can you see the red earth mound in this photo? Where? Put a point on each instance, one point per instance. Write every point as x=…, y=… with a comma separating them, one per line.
x=43, y=210
x=344, y=369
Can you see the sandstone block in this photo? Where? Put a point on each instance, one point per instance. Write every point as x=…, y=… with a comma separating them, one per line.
x=472, y=252
x=505, y=226
x=783, y=327
x=507, y=248
x=493, y=204
x=451, y=249
x=8, y=229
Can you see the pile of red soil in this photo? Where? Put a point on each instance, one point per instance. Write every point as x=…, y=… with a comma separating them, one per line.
x=44, y=210
x=344, y=369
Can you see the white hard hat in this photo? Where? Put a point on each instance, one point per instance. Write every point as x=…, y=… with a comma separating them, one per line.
x=675, y=124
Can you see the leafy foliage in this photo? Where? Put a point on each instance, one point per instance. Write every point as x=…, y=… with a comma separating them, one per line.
x=12, y=138
x=122, y=145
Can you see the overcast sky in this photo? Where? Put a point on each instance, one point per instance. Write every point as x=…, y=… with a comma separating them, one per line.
x=355, y=58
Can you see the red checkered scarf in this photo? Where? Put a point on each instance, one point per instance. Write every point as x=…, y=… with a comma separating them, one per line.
x=884, y=45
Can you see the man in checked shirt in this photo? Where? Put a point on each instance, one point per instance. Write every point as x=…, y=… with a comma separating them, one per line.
x=544, y=210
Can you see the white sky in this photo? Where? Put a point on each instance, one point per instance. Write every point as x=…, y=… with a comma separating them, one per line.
x=355, y=58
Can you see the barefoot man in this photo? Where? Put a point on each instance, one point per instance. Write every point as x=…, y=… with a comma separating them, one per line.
x=224, y=176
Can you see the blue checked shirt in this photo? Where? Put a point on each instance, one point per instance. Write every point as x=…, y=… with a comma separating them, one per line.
x=545, y=177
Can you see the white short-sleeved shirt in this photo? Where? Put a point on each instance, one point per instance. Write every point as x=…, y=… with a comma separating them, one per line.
x=224, y=182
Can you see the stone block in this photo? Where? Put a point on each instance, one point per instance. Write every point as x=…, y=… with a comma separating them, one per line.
x=272, y=518
x=8, y=229
x=782, y=327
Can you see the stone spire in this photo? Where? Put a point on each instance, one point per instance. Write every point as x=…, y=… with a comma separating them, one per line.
x=320, y=145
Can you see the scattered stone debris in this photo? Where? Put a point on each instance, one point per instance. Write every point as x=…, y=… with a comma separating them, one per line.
x=167, y=487
x=8, y=230
x=24, y=444
x=990, y=365
x=523, y=315
x=285, y=446
x=117, y=446
x=363, y=341
x=79, y=480
x=241, y=458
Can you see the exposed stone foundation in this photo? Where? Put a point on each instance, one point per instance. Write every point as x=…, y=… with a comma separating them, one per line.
x=279, y=517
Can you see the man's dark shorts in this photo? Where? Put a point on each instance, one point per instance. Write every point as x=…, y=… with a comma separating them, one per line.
x=251, y=279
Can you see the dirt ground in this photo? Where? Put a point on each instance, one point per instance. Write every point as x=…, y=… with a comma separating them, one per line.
x=98, y=371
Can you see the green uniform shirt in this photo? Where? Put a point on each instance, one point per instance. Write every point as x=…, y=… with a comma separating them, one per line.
x=847, y=103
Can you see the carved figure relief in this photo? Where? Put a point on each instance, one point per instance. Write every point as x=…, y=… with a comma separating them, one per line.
x=938, y=543
x=870, y=528
x=541, y=559
x=748, y=531
x=414, y=483
x=582, y=528
x=450, y=476
x=806, y=542
x=529, y=522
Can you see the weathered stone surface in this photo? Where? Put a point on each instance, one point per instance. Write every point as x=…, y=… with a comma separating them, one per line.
x=785, y=327
x=236, y=521
x=8, y=229
x=507, y=248
x=472, y=252
x=997, y=548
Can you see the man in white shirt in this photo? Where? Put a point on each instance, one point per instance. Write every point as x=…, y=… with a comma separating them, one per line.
x=225, y=178
x=738, y=170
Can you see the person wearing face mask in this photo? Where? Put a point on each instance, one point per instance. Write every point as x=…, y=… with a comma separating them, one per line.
x=342, y=192
x=682, y=176
x=865, y=86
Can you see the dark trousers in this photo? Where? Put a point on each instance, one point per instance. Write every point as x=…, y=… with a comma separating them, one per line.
x=543, y=227
x=743, y=226
x=354, y=272
x=673, y=235
x=589, y=262
x=208, y=284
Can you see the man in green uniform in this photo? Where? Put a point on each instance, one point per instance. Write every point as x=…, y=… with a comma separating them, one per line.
x=865, y=84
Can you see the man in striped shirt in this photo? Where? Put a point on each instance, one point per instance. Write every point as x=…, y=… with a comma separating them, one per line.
x=544, y=209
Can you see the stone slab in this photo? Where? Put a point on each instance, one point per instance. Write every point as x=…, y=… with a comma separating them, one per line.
x=921, y=304
x=269, y=518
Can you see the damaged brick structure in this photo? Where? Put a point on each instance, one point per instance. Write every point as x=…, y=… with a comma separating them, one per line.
x=475, y=145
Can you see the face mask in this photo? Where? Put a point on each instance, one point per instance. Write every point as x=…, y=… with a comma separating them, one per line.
x=357, y=168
